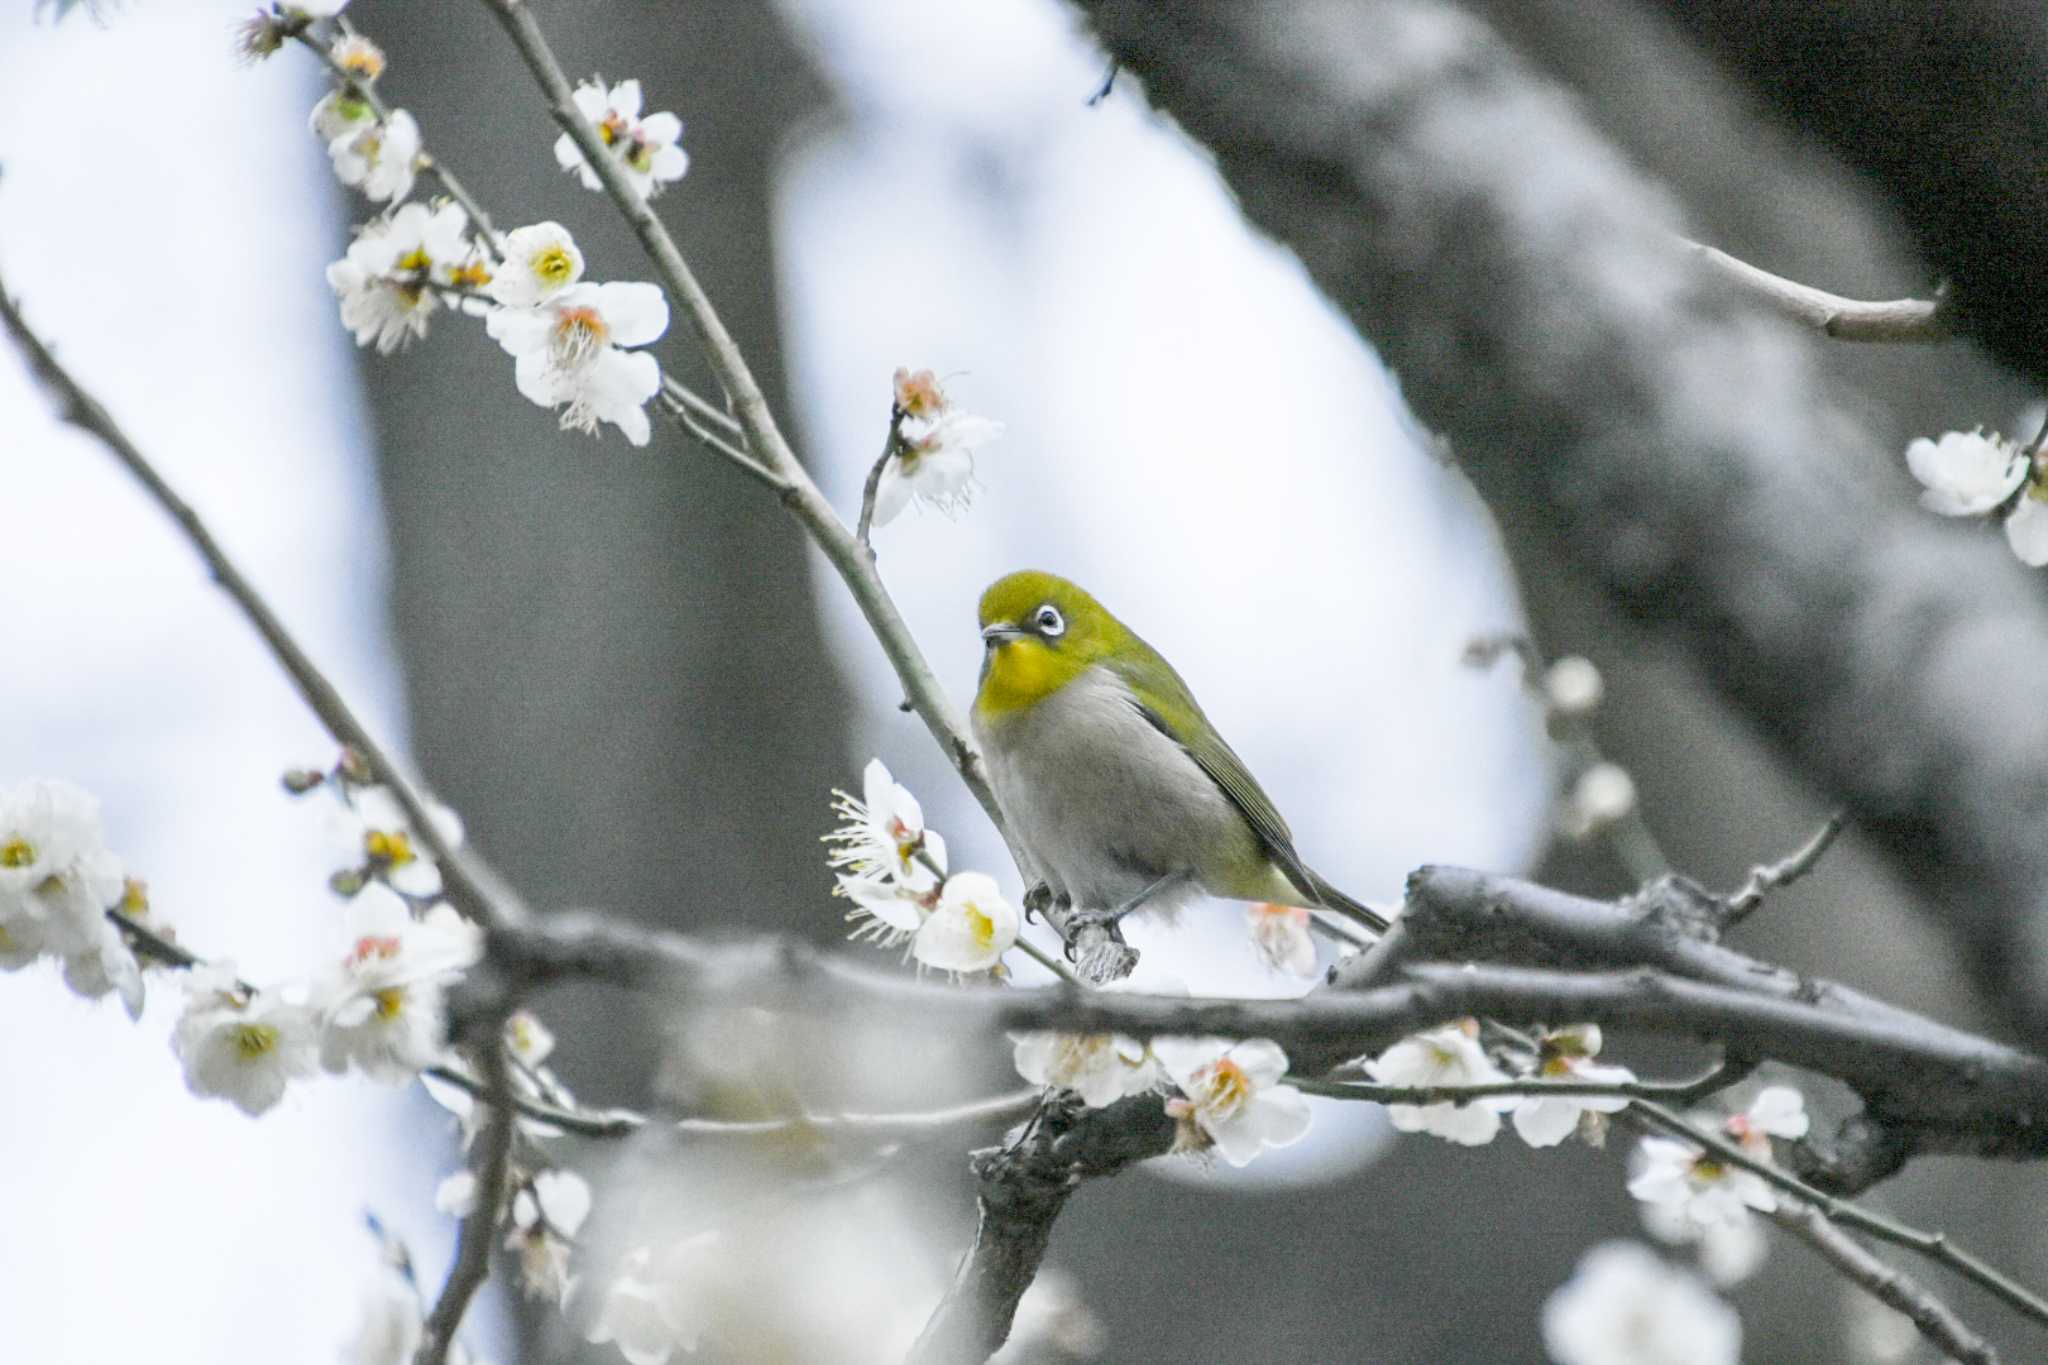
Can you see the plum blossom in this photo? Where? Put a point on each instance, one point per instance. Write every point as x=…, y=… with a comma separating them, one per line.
x=1698, y=1188
x=646, y=150
x=358, y=56
x=1966, y=473
x=546, y=1217
x=970, y=928
x=386, y=282
x=377, y=156
x=1232, y=1096
x=1101, y=1067
x=381, y=1007
x=373, y=829
x=1625, y=1306
x=57, y=882
x=647, y=1309
x=884, y=838
x=1567, y=1055
x=934, y=455
x=541, y=260
x=1445, y=1056
x=1281, y=938
x=241, y=1045
x=568, y=352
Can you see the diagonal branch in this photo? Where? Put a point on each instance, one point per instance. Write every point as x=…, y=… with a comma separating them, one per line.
x=471, y=885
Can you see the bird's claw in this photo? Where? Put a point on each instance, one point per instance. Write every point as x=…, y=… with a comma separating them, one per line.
x=1036, y=901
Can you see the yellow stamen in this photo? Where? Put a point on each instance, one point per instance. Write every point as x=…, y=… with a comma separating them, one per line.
x=391, y=848
x=17, y=852
x=1224, y=1087
x=390, y=1003
x=253, y=1040
x=553, y=265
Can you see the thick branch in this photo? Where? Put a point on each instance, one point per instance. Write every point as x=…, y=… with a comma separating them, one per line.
x=1613, y=400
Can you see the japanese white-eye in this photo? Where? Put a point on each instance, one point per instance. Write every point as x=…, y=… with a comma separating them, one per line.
x=1117, y=789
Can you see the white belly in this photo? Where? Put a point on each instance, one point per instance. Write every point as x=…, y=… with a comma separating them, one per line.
x=1103, y=803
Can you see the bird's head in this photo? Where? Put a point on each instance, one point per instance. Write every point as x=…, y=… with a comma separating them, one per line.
x=1039, y=632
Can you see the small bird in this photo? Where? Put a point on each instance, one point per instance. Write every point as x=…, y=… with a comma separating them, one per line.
x=1117, y=788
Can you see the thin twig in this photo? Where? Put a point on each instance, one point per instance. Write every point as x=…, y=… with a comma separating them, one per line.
x=1766, y=878
x=490, y=1161
x=469, y=881
x=366, y=92
x=1681, y=1091
x=892, y=446
x=801, y=496
x=1830, y=314
x=1889, y=1285
x=689, y=411
x=1935, y=1245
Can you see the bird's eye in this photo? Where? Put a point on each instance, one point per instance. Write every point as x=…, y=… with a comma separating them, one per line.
x=1049, y=621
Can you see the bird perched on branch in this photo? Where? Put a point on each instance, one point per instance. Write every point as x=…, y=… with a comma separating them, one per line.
x=1117, y=788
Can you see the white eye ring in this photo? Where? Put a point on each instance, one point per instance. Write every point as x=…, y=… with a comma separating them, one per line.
x=1049, y=621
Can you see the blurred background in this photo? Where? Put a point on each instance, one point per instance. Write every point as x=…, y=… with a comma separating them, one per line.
x=637, y=683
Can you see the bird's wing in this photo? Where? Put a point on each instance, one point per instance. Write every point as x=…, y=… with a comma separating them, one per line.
x=1164, y=700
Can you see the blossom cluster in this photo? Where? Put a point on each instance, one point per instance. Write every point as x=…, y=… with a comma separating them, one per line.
x=572, y=341
x=58, y=883
x=893, y=869
x=1453, y=1057
x=1982, y=474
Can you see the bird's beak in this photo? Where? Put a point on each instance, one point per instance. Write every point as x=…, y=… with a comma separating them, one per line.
x=999, y=634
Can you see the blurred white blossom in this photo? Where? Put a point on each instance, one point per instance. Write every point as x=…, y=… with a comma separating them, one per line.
x=1233, y=1094
x=1966, y=473
x=386, y=281
x=1573, y=687
x=241, y=1046
x=1567, y=1054
x=1625, y=1306
x=648, y=1309
x=381, y=1007
x=970, y=928
x=1445, y=1056
x=58, y=880
x=2026, y=528
x=1280, y=936
x=934, y=465
x=546, y=1216
x=646, y=149
x=1101, y=1067
x=377, y=156
x=372, y=829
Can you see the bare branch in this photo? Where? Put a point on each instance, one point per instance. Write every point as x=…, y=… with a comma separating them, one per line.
x=490, y=1161
x=1888, y=1284
x=470, y=883
x=1912, y=320
x=1764, y=879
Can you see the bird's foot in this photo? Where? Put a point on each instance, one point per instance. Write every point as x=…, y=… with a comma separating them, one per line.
x=1040, y=900
x=1092, y=923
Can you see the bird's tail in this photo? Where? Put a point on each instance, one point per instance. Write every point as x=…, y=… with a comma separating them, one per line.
x=1333, y=899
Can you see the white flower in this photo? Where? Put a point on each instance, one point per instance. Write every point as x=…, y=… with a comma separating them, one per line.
x=372, y=828
x=1966, y=473
x=1778, y=1111
x=1729, y=1249
x=529, y=1039
x=540, y=260
x=1566, y=1055
x=645, y=149
x=358, y=56
x=386, y=281
x=647, y=1309
x=884, y=838
x=378, y=157
x=242, y=1047
x=45, y=829
x=388, y=1331
x=567, y=353
x=545, y=1218
x=886, y=912
x=1695, y=1185
x=314, y=9
x=1233, y=1094
x=456, y=1194
x=971, y=927
x=339, y=113
x=936, y=464
x=2026, y=529
x=1625, y=1306
x=106, y=963
x=381, y=1008
x=1101, y=1067
x=1281, y=938
x=1445, y=1056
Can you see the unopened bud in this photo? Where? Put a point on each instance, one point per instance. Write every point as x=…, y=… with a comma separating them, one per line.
x=299, y=781
x=353, y=767
x=1604, y=795
x=348, y=881
x=918, y=394
x=1573, y=687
